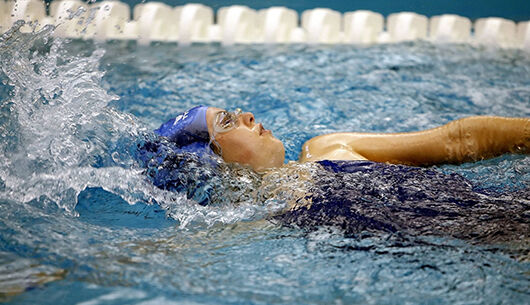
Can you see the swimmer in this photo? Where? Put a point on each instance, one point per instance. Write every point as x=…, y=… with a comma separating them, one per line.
x=346, y=180
x=238, y=138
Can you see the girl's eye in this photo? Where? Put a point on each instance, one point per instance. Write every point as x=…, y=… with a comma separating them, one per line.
x=230, y=119
x=225, y=122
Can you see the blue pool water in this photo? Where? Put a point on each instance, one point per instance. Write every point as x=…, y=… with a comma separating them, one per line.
x=81, y=223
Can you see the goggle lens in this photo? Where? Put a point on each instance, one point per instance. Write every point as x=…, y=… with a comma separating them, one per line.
x=226, y=121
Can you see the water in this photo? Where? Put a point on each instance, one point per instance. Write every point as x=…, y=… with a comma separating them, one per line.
x=81, y=223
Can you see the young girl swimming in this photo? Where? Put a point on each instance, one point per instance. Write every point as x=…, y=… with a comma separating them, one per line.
x=346, y=180
x=238, y=138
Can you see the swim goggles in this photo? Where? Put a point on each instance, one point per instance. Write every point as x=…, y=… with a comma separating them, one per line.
x=226, y=121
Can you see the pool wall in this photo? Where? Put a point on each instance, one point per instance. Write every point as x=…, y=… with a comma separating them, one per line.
x=156, y=21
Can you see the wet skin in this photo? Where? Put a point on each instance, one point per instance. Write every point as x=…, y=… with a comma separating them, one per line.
x=468, y=139
x=463, y=140
x=248, y=144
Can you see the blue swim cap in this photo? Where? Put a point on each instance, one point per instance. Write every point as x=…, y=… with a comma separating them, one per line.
x=187, y=130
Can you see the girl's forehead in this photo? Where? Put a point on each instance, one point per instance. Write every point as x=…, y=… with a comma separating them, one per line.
x=215, y=109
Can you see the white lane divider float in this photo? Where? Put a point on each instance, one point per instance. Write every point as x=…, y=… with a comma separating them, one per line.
x=523, y=35
x=322, y=25
x=193, y=23
x=449, y=29
x=238, y=24
x=497, y=32
x=69, y=17
x=32, y=12
x=107, y=20
x=156, y=21
x=362, y=27
x=276, y=24
x=5, y=11
x=406, y=26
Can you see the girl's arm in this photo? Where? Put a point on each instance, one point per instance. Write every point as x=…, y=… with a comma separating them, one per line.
x=467, y=139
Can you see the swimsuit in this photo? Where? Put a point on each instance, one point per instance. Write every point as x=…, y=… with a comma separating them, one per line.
x=365, y=196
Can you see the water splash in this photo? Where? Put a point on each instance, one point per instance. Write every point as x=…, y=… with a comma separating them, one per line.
x=59, y=133
x=61, y=137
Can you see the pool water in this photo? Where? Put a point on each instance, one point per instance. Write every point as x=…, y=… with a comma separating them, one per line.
x=81, y=223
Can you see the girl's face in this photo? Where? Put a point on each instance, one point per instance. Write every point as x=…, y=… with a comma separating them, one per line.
x=243, y=141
